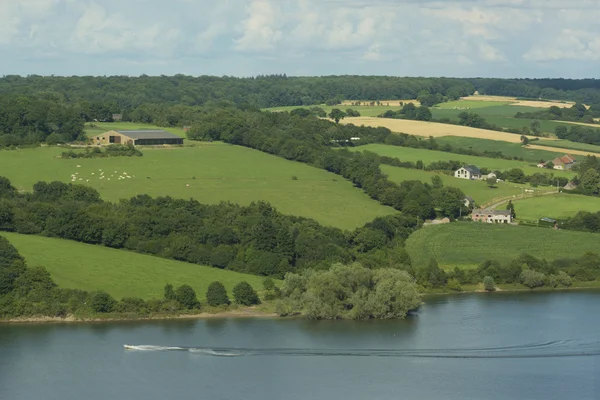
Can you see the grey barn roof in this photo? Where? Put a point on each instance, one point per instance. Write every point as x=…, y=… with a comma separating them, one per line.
x=472, y=169
x=149, y=134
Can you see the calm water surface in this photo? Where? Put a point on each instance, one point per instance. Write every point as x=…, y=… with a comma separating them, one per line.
x=501, y=346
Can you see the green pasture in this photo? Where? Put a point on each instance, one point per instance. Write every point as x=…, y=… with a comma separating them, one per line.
x=509, y=149
x=429, y=156
x=121, y=273
x=478, y=190
x=215, y=172
x=467, y=244
x=559, y=206
x=567, y=144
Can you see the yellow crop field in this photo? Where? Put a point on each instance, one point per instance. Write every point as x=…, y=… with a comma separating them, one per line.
x=426, y=129
x=524, y=103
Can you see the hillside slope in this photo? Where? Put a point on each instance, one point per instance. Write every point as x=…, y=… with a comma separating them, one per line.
x=119, y=272
x=466, y=244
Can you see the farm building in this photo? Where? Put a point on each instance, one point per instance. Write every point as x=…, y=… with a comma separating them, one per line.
x=492, y=216
x=468, y=172
x=469, y=202
x=137, y=138
x=564, y=162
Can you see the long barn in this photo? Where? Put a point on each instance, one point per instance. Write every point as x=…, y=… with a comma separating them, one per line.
x=137, y=138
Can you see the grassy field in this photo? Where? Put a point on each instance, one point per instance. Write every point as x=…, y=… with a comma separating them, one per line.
x=509, y=149
x=467, y=244
x=121, y=273
x=97, y=128
x=557, y=207
x=428, y=156
x=222, y=172
x=567, y=144
x=478, y=190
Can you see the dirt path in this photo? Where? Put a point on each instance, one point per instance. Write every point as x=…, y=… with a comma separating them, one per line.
x=496, y=203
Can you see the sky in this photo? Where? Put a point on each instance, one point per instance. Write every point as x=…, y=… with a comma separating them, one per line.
x=459, y=38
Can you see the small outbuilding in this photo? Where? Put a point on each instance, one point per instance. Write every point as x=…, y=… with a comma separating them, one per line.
x=137, y=138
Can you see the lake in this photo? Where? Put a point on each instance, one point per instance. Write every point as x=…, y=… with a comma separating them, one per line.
x=473, y=346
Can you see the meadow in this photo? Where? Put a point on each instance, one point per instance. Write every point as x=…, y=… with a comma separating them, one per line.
x=559, y=207
x=467, y=244
x=567, y=144
x=121, y=273
x=429, y=156
x=478, y=190
x=509, y=149
x=209, y=173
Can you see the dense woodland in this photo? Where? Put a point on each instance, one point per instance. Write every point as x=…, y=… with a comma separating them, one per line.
x=579, y=133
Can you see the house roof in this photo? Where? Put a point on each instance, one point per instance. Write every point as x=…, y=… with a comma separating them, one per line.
x=492, y=212
x=568, y=159
x=472, y=169
x=149, y=134
x=469, y=198
x=548, y=220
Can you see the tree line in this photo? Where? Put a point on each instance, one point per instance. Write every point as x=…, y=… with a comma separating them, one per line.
x=577, y=113
x=254, y=239
x=310, y=140
x=578, y=133
x=28, y=120
x=113, y=150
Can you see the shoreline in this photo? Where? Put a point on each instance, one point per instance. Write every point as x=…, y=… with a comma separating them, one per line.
x=240, y=313
x=69, y=319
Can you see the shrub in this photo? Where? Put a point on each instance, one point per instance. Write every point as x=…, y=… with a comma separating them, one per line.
x=245, y=295
x=169, y=292
x=131, y=304
x=294, y=178
x=532, y=279
x=186, y=296
x=564, y=279
x=102, y=302
x=489, y=284
x=216, y=295
x=454, y=285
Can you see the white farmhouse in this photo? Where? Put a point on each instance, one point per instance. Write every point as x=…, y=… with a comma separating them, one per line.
x=492, y=216
x=468, y=172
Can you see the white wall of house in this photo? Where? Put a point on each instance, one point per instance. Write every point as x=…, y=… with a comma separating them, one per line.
x=462, y=173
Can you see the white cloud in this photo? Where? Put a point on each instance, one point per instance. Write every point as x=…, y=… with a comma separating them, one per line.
x=404, y=37
x=567, y=45
x=97, y=31
x=261, y=27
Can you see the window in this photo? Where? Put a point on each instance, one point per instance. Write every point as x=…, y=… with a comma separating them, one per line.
x=111, y=139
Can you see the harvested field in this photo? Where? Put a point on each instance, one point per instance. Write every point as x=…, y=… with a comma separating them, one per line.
x=489, y=98
x=426, y=129
x=582, y=123
x=566, y=151
x=543, y=104
x=391, y=103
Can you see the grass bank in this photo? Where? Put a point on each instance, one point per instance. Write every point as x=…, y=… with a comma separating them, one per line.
x=120, y=273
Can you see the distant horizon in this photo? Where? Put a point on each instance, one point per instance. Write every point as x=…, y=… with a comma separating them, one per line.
x=297, y=76
x=507, y=39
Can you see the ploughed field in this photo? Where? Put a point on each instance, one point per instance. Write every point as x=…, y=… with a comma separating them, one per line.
x=120, y=273
x=468, y=244
x=209, y=173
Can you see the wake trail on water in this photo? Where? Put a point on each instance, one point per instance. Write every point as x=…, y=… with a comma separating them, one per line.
x=551, y=349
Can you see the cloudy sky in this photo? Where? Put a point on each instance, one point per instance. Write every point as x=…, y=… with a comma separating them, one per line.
x=499, y=38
